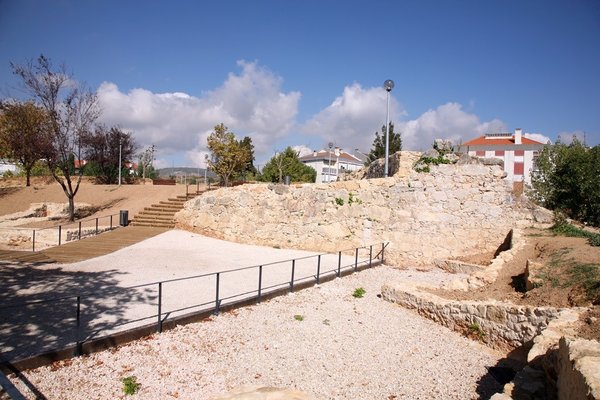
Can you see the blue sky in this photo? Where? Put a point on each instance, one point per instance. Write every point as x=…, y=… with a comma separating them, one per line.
x=308, y=72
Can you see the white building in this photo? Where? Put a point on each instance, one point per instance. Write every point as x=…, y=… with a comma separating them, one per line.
x=6, y=166
x=330, y=163
x=517, y=152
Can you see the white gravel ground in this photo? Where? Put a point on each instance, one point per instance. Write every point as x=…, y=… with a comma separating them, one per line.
x=343, y=348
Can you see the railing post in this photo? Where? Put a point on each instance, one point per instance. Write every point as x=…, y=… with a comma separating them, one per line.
x=339, y=272
x=259, y=282
x=111, y=222
x=59, y=234
x=217, y=301
x=293, y=271
x=370, y=256
x=78, y=328
x=159, y=325
x=96, y=226
x=79, y=238
x=318, y=268
x=33, y=242
x=382, y=250
x=356, y=260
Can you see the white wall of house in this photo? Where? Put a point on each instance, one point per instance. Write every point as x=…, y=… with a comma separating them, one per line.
x=329, y=173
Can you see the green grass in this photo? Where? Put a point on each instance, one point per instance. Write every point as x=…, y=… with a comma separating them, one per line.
x=566, y=229
x=130, y=385
x=576, y=274
x=359, y=292
x=299, y=317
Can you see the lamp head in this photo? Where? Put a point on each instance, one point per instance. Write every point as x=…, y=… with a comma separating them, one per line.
x=388, y=85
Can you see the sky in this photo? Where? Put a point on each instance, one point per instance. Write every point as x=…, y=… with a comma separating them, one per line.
x=305, y=73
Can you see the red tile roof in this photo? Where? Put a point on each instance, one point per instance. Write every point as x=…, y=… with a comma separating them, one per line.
x=485, y=141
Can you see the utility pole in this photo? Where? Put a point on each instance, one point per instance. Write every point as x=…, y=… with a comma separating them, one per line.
x=120, y=146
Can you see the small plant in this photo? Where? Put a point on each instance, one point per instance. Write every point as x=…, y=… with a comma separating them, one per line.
x=359, y=292
x=326, y=322
x=477, y=330
x=352, y=199
x=299, y=317
x=339, y=201
x=130, y=385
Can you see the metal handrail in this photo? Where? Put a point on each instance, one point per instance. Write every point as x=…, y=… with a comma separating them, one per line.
x=260, y=291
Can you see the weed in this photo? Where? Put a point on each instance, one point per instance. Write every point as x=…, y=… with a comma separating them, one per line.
x=299, y=317
x=339, y=201
x=587, y=276
x=326, y=322
x=352, y=199
x=477, y=330
x=359, y=292
x=561, y=227
x=130, y=385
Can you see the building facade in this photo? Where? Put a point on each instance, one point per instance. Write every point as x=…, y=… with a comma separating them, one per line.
x=517, y=152
x=330, y=163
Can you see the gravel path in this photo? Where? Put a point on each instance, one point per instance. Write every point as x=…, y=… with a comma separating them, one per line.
x=343, y=348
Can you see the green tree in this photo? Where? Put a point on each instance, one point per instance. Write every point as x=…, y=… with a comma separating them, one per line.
x=566, y=180
x=287, y=163
x=24, y=134
x=378, y=149
x=228, y=156
x=250, y=169
x=72, y=111
x=102, y=151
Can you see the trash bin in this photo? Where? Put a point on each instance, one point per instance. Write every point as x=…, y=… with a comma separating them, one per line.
x=287, y=180
x=123, y=217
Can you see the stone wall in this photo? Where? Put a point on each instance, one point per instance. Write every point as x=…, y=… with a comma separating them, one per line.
x=499, y=324
x=455, y=210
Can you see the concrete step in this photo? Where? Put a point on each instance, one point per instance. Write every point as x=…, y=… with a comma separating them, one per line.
x=153, y=224
x=153, y=218
x=153, y=212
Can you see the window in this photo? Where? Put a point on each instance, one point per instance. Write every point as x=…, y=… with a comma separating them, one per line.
x=480, y=153
x=519, y=168
x=519, y=153
x=499, y=153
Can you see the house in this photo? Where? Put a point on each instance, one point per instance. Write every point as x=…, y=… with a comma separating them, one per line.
x=517, y=152
x=331, y=162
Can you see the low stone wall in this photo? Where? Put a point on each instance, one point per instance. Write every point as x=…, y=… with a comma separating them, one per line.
x=454, y=211
x=73, y=234
x=501, y=325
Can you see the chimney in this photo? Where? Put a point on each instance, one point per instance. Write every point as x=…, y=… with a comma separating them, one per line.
x=314, y=153
x=518, y=136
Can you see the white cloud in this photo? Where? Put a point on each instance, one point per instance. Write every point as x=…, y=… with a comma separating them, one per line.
x=568, y=137
x=448, y=121
x=302, y=150
x=250, y=104
x=538, y=137
x=352, y=119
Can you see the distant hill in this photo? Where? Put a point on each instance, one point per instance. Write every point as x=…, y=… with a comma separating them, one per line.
x=184, y=171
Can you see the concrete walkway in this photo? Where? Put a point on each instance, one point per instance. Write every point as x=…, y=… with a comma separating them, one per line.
x=118, y=291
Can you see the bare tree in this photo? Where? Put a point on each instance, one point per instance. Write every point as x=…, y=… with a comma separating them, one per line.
x=72, y=110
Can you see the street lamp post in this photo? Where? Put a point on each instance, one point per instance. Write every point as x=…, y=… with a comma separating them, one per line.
x=120, y=146
x=388, y=86
x=337, y=164
x=329, y=166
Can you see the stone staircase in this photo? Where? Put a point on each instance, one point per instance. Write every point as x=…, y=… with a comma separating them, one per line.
x=162, y=214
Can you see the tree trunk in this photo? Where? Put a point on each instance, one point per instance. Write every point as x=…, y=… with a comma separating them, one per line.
x=27, y=175
x=71, y=209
